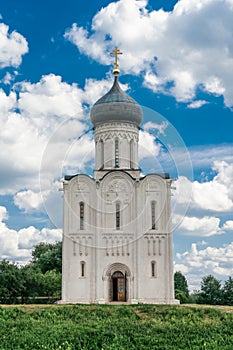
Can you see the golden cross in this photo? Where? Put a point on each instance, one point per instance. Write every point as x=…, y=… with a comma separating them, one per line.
x=116, y=52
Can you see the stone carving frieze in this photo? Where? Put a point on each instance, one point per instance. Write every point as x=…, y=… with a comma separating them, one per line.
x=128, y=135
x=117, y=189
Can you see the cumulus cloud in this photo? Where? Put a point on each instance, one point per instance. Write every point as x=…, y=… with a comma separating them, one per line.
x=3, y=214
x=228, y=225
x=12, y=47
x=147, y=145
x=214, y=195
x=204, y=227
x=8, y=78
x=17, y=245
x=28, y=200
x=44, y=129
x=211, y=260
x=197, y=104
x=50, y=97
x=154, y=126
x=176, y=52
x=199, y=206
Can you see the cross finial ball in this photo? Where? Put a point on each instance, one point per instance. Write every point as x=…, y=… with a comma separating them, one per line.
x=116, y=52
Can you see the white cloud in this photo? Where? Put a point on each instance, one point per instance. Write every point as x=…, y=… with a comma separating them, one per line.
x=214, y=195
x=214, y=86
x=28, y=200
x=40, y=130
x=204, y=227
x=3, y=214
x=147, y=145
x=197, y=205
x=50, y=97
x=175, y=51
x=17, y=245
x=154, y=126
x=228, y=226
x=12, y=47
x=197, y=104
x=41, y=126
x=38, y=137
x=8, y=78
x=211, y=260
x=7, y=104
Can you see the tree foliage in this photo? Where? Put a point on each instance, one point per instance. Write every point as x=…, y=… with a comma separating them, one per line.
x=40, y=278
x=181, y=287
x=47, y=257
x=210, y=292
x=227, y=292
x=11, y=284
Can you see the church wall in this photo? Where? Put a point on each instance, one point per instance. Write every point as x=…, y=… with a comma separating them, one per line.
x=78, y=240
x=78, y=282
x=105, y=248
x=155, y=242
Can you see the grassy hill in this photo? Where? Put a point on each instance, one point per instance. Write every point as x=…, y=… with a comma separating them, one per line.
x=115, y=327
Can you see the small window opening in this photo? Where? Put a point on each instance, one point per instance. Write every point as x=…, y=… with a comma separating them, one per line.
x=101, y=154
x=131, y=155
x=117, y=153
x=81, y=215
x=153, y=269
x=118, y=217
x=82, y=269
x=153, y=224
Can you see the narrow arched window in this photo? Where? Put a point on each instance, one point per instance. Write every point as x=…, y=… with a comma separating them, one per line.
x=131, y=154
x=153, y=223
x=83, y=272
x=101, y=154
x=118, y=216
x=116, y=153
x=81, y=215
x=153, y=269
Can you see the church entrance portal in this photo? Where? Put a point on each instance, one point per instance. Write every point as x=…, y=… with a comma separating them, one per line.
x=118, y=286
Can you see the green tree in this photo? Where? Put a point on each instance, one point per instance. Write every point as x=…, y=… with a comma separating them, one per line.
x=51, y=284
x=32, y=283
x=11, y=283
x=210, y=292
x=47, y=257
x=227, y=292
x=181, y=287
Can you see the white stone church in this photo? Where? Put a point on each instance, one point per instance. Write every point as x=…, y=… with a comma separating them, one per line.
x=117, y=236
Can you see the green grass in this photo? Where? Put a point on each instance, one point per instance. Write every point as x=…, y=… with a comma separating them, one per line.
x=118, y=327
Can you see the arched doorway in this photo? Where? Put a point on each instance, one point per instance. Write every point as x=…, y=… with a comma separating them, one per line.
x=118, y=286
x=109, y=274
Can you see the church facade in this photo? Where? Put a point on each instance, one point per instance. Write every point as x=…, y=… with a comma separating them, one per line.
x=117, y=235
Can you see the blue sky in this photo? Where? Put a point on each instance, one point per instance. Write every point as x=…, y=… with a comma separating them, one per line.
x=177, y=62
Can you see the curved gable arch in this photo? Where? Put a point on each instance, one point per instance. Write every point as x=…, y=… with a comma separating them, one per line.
x=110, y=269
